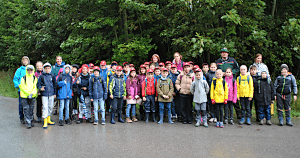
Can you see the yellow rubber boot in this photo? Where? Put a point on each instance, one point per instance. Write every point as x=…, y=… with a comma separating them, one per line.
x=45, y=123
x=49, y=121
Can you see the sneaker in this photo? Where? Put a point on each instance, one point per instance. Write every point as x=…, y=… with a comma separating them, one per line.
x=231, y=122
x=248, y=121
x=205, y=125
x=28, y=125
x=69, y=121
x=215, y=120
x=61, y=123
x=221, y=125
x=226, y=121
x=211, y=120
x=261, y=122
x=22, y=121
x=103, y=122
x=269, y=122
x=242, y=121
x=217, y=124
x=197, y=124
x=95, y=123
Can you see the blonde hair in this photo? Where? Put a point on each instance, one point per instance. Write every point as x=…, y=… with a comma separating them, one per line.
x=219, y=70
x=213, y=64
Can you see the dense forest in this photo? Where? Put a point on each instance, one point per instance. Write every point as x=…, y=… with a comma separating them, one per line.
x=84, y=31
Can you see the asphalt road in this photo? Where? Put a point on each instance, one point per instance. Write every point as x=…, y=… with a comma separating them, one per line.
x=143, y=140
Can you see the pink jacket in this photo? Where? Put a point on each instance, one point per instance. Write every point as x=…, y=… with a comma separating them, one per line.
x=132, y=90
x=232, y=90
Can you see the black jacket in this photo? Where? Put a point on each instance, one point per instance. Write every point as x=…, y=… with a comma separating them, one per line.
x=264, y=91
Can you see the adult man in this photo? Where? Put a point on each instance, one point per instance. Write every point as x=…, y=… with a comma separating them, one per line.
x=55, y=69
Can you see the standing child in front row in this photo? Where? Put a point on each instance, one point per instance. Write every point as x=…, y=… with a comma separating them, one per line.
x=284, y=85
x=219, y=96
x=245, y=94
x=165, y=92
x=232, y=95
x=39, y=105
x=133, y=95
x=200, y=89
x=149, y=94
x=141, y=78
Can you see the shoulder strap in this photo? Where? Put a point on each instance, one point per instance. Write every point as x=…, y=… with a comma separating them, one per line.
x=215, y=83
x=248, y=79
x=239, y=79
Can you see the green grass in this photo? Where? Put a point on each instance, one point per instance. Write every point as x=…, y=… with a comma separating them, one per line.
x=7, y=88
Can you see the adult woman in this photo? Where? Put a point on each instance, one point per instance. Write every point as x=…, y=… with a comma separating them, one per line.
x=260, y=66
x=155, y=59
x=178, y=61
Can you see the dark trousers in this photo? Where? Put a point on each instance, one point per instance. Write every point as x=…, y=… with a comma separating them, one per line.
x=283, y=103
x=39, y=105
x=211, y=108
x=255, y=106
x=28, y=106
x=117, y=104
x=186, y=107
x=150, y=103
x=74, y=101
x=219, y=111
x=228, y=109
x=264, y=111
x=21, y=113
x=238, y=110
x=175, y=105
x=245, y=106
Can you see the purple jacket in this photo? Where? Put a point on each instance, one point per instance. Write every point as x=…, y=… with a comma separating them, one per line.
x=141, y=79
x=232, y=90
x=132, y=87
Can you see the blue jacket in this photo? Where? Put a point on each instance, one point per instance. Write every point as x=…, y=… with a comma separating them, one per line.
x=64, y=85
x=157, y=77
x=84, y=82
x=125, y=76
x=21, y=71
x=173, y=77
x=103, y=74
x=98, y=88
x=48, y=80
x=117, y=86
x=284, y=86
x=55, y=68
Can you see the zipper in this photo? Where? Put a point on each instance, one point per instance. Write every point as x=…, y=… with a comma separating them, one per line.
x=119, y=88
x=283, y=85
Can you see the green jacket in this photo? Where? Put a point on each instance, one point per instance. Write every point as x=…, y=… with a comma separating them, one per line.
x=165, y=87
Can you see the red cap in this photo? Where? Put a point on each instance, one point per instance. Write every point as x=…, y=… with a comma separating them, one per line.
x=119, y=68
x=146, y=63
x=143, y=66
x=196, y=67
x=114, y=62
x=191, y=62
x=80, y=70
x=85, y=65
x=131, y=65
x=91, y=64
x=161, y=64
x=168, y=62
x=157, y=68
x=149, y=71
x=198, y=70
x=186, y=64
x=173, y=66
x=164, y=69
x=132, y=69
x=103, y=62
x=125, y=63
x=96, y=68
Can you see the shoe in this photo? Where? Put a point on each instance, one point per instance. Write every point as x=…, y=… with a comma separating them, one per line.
x=248, y=121
x=103, y=122
x=79, y=121
x=89, y=120
x=147, y=118
x=190, y=122
x=49, y=121
x=257, y=120
x=45, y=123
x=134, y=119
x=39, y=120
x=221, y=125
x=288, y=121
x=170, y=120
x=128, y=120
x=226, y=122
x=184, y=122
x=269, y=122
x=120, y=118
x=153, y=116
x=141, y=117
x=61, y=123
x=231, y=122
x=69, y=122
x=242, y=121
x=28, y=125
x=32, y=124
x=215, y=120
x=280, y=121
x=55, y=112
x=95, y=123
x=197, y=124
x=112, y=120
x=217, y=124
x=22, y=121
x=261, y=122
x=211, y=120
x=161, y=119
x=205, y=125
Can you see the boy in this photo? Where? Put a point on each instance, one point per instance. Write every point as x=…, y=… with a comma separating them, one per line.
x=283, y=86
x=28, y=93
x=264, y=95
x=168, y=65
x=157, y=73
x=175, y=103
x=73, y=105
x=47, y=86
x=245, y=94
x=149, y=94
x=209, y=77
x=152, y=66
x=165, y=92
x=253, y=73
x=205, y=68
x=37, y=74
x=126, y=69
x=64, y=87
x=147, y=64
x=161, y=65
x=200, y=89
x=98, y=94
x=117, y=89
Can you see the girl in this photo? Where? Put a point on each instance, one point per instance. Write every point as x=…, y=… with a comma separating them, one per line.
x=37, y=74
x=133, y=95
x=178, y=61
x=155, y=59
x=152, y=66
x=232, y=95
x=141, y=78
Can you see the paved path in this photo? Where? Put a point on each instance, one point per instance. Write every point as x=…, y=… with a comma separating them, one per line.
x=143, y=140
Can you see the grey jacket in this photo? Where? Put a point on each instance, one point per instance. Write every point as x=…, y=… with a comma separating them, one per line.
x=200, y=89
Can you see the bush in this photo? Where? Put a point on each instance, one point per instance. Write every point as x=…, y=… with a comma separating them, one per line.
x=7, y=88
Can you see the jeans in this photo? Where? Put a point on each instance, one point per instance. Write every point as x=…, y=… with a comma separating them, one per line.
x=245, y=106
x=28, y=106
x=132, y=107
x=150, y=103
x=21, y=114
x=186, y=107
x=200, y=108
x=175, y=104
x=219, y=111
x=64, y=104
x=39, y=106
x=117, y=104
x=98, y=102
x=162, y=106
x=264, y=111
x=283, y=103
x=230, y=106
x=87, y=102
x=47, y=105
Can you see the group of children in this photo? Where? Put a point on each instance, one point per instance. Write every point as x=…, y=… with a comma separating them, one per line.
x=158, y=88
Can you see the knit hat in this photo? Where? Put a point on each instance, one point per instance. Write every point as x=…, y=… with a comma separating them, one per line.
x=75, y=65
x=284, y=66
x=25, y=57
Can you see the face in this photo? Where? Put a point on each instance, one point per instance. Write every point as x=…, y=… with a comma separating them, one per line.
x=174, y=70
x=91, y=71
x=253, y=71
x=198, y=75
x=219, y=74
x=205, y=68
x=147, y=67
x=84, y=70
x=187, y=69
x=67, y=70
x=165, y=74
x=258, y=59
x=243, y=70
x=30, y=71
x=177, y=57
x=150, y=75
x=74, y=69
x=58, y=60
x=143, y=70
x=161, y=66
x=284, y=72
x=114, y=67
x=47, y=69
x=224, y=54
x=155, y=59
x=25, y=62
x=132, y=73
x=213, y=67
x=119, y=72
x=96, y=73
x=228, y=73
x=131, y=67
x=152, y=67
x=168, y=66
x=157, y=72
x=126, y=68
x=264, y=75
x=103, y=66
x=191, y=67
x=39, y=66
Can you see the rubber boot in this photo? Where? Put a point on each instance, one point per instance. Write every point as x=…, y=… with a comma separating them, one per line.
x=120, y=118
x=45, y=123
x=288, y=121
x=153, y=115
x=112, y=119
x=280, y=121
x=147, y=118
x=161, y=119
x=170, y=119
x=197, y=124
x=49, y=121
x=205, y=121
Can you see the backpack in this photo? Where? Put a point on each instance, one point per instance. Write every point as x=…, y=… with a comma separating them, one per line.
x=215, y=83
x=240, y=78
x=24, y=77
x=164, y=83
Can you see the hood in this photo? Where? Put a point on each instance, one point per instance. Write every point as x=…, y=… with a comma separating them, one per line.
x=201, y=78
x=64, y=70
x=45, y=65
x=27, y=75
x=62, y=64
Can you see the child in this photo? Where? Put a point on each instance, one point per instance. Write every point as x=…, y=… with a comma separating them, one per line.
x=161, y=65
x=200, y=89
x=157, y=73
x=131, y=66
x=152, y=66
x=98, y=94
x=232, y=95
x=168, y=65
x=191, y=66
x=126, y=70
x=83, y=92
x=284, y=85
x=141, y=78
x=133, y=95
x=64, y=86
x=175, y=103
x=183, y=85
x=219, y=96
x=37, y=74
x=165, y=92
x=117, y=89
x=245, y=94
x=73, y=104
x=209, y=77
x=264, y=95
x=253, y=73
x=149, y=94
x=155, y=60
x=47, y=86
x=28, y=93
x=147, y=64
x=205, y=68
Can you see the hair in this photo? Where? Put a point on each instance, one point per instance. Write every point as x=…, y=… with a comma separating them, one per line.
x=157, y=56
x=178, y=54
x=130, y=77
x=253, y=67
x=205, y=64
x=219, y=70
x=257, y=55
x=58, y=57
x=244, y=66
x=213, y=64
x=228, y=69
x=39, y=62
x=152, y=64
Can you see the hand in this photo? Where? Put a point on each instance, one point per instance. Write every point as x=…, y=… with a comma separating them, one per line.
x=155, y=98
x=295, y=97
x=213, y=101
x=144, y=99
x=167, y=97
x=84, y=88
x=54, y=96
x=225, y=101
x=43, y=88
x=174, y=94
x=137, y=97
x=111, y=96
x=77, y=82
x=275, y=98
x=124, y=98
x=238, y=98
x=250, y=99
x=130, y=97
x=92, y=99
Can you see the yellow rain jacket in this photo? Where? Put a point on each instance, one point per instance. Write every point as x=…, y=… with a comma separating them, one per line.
x=244, y=86
x=219, y=94
x=29, y=86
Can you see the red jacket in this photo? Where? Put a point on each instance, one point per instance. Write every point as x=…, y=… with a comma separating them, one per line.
x=150, y=90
